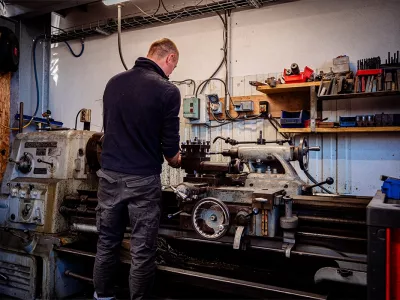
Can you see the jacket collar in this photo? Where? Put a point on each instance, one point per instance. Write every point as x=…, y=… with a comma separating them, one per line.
x=143, y=62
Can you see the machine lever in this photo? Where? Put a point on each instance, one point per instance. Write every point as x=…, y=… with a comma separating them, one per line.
x=4, y=277
x=328, y=181
x=14, y=161
x=170, y=216
x=45, y=162
x=316, y=148
x=255, y=212
x=179, y=193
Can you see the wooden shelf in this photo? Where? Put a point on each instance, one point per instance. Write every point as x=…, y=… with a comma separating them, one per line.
x=342, y=130
x=359, y=95
x=288, y=87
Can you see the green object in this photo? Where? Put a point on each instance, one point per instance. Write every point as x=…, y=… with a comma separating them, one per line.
x=191, y=108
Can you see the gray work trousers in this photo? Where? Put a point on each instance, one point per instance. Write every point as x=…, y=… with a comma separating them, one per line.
x=141, y=197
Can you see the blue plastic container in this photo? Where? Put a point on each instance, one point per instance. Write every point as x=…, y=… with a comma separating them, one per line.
x=294, y=119
x=391, y=187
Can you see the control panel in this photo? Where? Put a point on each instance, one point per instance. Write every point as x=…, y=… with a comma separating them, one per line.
x=34, y=205
x=58, y=155
x=191, y=108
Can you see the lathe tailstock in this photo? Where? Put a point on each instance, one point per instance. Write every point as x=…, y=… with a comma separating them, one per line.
x=249, y=222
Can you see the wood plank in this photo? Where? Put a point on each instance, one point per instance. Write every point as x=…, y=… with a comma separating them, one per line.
x=277, y=103
x=342, y=130
x=5, y=83
x=288, y=87
x=359, y=95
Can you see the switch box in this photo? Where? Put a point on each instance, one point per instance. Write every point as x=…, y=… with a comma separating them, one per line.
x=86, y=115
x=243, y=106
x=191, y=108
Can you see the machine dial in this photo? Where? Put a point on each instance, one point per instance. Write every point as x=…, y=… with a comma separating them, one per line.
x=210, y=218
x=24, y=164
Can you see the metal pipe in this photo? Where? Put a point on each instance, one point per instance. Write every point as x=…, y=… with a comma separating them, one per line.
x=331, y=236
x=228, y=62
x=21, y=117
x=84, y=228
x=67, y=210
x=331, y=220
x=77, y=276
x=251, y=288
x=119, y=36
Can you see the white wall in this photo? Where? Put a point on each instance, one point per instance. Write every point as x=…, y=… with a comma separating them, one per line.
x=309, y=32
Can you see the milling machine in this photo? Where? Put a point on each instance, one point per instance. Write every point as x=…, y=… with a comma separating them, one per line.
x=250, y=221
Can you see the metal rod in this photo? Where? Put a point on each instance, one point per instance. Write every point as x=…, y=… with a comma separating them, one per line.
x=331, y=220
x=331, y=236
x=21, y=117
x=77, y=276
x=239, y=284
x=228, y=62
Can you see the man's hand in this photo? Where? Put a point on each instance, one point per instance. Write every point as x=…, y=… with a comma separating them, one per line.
x=174, y=162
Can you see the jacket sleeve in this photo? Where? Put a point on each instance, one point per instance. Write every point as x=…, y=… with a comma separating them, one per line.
x=170, y=124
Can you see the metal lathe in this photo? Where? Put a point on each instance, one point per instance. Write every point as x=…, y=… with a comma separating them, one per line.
x=249, y=223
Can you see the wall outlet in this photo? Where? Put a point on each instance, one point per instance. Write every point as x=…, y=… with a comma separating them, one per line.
x=263, y=105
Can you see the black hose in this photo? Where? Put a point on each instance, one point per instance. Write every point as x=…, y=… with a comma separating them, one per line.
x=35, y=41
x=72, y=51
x=76, y=119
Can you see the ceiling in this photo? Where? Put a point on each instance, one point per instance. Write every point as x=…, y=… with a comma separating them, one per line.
x=32, y=8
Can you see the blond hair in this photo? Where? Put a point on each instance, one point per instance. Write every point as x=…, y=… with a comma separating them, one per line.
x=162, y=48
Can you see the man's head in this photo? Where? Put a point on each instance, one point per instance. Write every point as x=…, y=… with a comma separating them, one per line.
x=165, y=54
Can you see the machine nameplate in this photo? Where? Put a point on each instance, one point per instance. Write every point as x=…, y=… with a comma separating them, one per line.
x=40, y=171
x=41, y=145
x=41, y=151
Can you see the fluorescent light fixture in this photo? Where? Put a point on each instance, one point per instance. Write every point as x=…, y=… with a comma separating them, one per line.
x=113, y=2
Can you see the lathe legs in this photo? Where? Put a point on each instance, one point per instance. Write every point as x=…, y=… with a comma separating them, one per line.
x=141, y=198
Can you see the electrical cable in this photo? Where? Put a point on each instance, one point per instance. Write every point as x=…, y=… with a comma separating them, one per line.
x=35, y=41
x=119, y=37
x=162, y=3
x=185, y=81
x=224, y=59
x=69, y=46
x=178, y=13
x=208, y=80
x=76, y=119
x=276, y=128
x=72, y=51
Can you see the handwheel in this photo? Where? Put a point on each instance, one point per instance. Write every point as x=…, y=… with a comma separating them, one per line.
x=210, y=218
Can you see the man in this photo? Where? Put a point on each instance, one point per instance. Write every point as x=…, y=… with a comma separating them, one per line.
x=141, y=124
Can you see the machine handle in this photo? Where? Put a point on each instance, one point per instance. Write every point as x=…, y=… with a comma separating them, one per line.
x=316, y=148
x=170, y=216
x=178, y=193
x=13, y=161
x=255, y=212
x=328, y=181
x=4, y=277
x=45, y=162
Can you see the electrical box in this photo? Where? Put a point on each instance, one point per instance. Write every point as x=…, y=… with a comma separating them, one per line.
x=191, y=108
x=215, y=104
x=86, y=115
x=243, y=106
